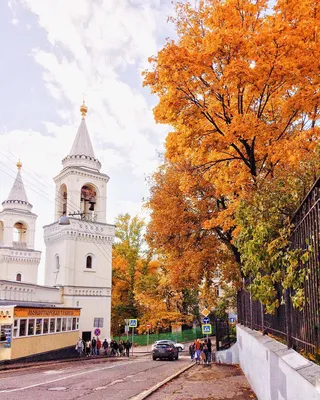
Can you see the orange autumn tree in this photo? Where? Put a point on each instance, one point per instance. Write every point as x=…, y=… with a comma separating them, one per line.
x=139, y=284
x=193, y=254
x=240, y=88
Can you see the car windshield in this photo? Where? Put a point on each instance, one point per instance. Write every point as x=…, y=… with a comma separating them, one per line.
x=163, y=345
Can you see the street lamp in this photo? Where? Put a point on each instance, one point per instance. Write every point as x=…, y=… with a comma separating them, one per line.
x=64, y=220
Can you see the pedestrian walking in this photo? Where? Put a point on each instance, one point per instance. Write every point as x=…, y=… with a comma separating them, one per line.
x=105, y=346
x=121, y=348
x=94, y=346
x=205, y=351
x=112, y=347
x=127, y=347
x=98, y=346
x=116, y=347
x=88, y=347
x=80, y=347
x=198, y=351
x=192, y=350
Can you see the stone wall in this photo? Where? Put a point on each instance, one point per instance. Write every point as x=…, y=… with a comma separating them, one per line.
x=274, y=371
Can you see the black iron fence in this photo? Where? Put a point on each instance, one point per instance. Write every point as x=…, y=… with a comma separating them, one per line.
x=224, y=336
x=300, y=329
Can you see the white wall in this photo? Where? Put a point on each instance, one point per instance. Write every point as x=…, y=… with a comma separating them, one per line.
x=92, y=306
x=275, y=372
x=21, y=292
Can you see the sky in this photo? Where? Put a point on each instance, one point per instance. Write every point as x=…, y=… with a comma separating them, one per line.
x=54, y=52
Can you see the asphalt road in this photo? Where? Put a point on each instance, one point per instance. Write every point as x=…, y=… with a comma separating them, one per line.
x=94, y=379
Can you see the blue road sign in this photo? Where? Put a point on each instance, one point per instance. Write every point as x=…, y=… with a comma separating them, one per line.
x=206, y=329
x=206, y=320
x=133, y=323
x=232, y=320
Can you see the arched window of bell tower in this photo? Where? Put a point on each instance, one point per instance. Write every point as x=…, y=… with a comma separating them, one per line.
x=62, y=201
x=1, y=231
x=88, y=201
x=20, y=235
x=89, y=262
x=18, y=278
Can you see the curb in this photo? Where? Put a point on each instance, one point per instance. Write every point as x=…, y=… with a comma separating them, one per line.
x=143, y=395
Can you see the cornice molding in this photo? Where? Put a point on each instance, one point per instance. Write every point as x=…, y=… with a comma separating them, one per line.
x=82, y=172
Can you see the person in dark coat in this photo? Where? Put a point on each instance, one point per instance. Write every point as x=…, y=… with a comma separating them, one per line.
x=192, y=350
x=105, y=346
x=127, y=346
x=93, y=346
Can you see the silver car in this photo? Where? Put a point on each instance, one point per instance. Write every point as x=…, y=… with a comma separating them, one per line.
x=179, y=346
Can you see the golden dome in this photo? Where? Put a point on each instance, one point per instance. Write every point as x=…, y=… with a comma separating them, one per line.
x=83, y=110
x=19, y=165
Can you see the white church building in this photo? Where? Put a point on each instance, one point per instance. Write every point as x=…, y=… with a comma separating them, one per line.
x=78, y=256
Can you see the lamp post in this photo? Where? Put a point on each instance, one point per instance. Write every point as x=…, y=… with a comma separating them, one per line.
x=64, y=219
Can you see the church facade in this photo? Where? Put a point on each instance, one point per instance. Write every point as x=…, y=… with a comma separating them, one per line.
x=78, y=257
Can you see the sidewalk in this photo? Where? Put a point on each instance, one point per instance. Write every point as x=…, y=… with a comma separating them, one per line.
x=218, y=382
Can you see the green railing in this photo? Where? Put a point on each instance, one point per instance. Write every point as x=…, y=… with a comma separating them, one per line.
x=184, y=336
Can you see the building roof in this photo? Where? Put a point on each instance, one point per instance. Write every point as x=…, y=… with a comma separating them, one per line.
x=18, y=192
x=82, y=145
x=81, y=153
x=18, y=197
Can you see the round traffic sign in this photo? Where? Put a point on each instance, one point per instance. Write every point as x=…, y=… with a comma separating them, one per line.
x=97, y=332
x=206, y=320
x=148, y=326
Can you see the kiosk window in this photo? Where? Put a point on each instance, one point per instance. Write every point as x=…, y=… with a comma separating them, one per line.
x=39, y=326
x=58, y=325
x=52, y=325
x=23, y=327
x=69, y=325
x=45, y=325
x=64, y=324
x=15, y=328
x=30, y=327
x=74, y=323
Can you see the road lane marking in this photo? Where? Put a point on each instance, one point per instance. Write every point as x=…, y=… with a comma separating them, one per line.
x=69, y=376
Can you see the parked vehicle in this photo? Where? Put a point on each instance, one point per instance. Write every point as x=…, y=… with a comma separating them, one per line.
x=165, y=350
x=179, y=346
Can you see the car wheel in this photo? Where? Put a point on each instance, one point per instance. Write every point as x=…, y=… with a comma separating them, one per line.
x=177, y=357
x=154, y=358
x=179, y=348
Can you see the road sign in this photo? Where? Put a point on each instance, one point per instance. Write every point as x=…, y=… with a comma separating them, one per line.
x=205, y=312
x=133, y=323
x=148, y=326
x=206, y=329
x=231, y=320
x=206, y=320
x=97, y=332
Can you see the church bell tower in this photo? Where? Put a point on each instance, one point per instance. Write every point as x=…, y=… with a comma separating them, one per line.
x=79, y=245
x=19, y=260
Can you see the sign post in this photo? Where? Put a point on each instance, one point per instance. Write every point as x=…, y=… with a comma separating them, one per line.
x=148, y=327
x=133, y=323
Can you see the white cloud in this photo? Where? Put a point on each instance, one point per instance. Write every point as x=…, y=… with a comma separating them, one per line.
x=94, y=43
x=96, y=47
